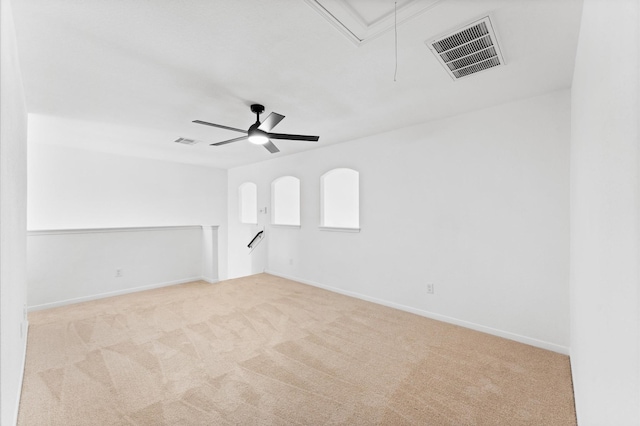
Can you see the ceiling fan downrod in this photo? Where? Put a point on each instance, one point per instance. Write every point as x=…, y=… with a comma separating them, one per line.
x=257, y=109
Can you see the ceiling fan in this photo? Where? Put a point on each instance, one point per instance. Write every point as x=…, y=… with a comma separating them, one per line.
x=259, y=133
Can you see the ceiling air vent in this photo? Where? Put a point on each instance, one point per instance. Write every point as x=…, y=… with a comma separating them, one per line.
x=186, y=141
x=468, y=50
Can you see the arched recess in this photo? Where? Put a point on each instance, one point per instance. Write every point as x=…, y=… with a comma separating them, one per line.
x=285, y=201
x=248, y=197
x=340, y=199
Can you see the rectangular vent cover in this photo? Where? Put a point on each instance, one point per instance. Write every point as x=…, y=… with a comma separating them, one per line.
x=469, y=50
x=186, y=141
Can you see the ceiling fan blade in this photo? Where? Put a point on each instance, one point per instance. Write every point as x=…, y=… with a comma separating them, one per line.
x=271, y=147
x=206, y=123
x=293, y=137
x=271, y=121
x=228, y=141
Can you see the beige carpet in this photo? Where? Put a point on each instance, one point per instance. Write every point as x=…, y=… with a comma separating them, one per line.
x=268, y=351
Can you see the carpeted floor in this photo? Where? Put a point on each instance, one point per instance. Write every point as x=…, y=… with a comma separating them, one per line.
x=268, y=351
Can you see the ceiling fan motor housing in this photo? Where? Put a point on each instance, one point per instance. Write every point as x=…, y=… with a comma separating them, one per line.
x=257, y=136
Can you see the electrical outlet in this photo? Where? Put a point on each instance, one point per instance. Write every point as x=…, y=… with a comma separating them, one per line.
x=290, y=261
x=119, y=272
x=430, y=288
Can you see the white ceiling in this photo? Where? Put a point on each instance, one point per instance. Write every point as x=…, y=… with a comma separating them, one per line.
x=128, y=77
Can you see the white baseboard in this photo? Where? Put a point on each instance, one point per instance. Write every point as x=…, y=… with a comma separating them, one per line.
x=24, y=362
x=114, y=293
x=467, y=324
x=210, y=280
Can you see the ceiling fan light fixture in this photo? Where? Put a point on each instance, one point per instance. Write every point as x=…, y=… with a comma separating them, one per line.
x=258, y=137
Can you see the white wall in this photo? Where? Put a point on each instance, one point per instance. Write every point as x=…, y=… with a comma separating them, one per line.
x=13, y=186
x=243, y=260
x=605, y=209
x=210, y=254
x=78, y=265
x=476, y=204
x=75, y=188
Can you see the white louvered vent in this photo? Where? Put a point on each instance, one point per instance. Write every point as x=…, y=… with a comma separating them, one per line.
x=186, y=141
x=468, y=50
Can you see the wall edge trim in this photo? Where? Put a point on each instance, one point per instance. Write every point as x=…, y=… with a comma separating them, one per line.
x=113, y=293
x=427, y=314
x=37, y=232
x=24, y=363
